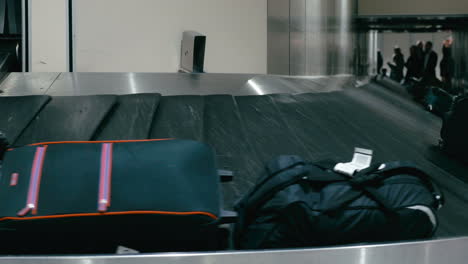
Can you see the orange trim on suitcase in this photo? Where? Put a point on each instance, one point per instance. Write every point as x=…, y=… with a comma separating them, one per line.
x=110, y=214
x=98, y=142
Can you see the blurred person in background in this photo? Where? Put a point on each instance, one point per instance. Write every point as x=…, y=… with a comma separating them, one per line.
x=430, y=65
x=420, y=56
x=379, y=62
x=397, y=66
x=412, y=65
x=447, y=65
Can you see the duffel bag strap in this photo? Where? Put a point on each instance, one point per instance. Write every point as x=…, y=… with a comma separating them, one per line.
x=404, y=167
x=354, y=194
x=364, y=181
x=283, y=163
x=362, y=184
x=285, y=178
x=270, y=187
x=274, y=167
x=273, y=178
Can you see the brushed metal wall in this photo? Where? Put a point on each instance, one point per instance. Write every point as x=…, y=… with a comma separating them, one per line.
x=364, y=61
x=412, y=7
x=278, y=37
x=460, y=54
x=311, y=37
x=298, y=33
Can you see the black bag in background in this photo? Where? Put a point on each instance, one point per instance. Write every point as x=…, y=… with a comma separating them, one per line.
x=454, y=133
x=438, y=101
x=298, y=204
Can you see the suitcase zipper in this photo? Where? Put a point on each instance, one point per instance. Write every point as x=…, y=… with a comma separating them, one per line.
x=14, y=179
x=105, y=177
x=34, y=182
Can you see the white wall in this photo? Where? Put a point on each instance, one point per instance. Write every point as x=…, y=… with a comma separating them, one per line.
x=49, y=37
x=145, y=35
x=412, y=7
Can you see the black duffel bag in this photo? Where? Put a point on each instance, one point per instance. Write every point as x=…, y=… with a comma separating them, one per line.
x=299, y=204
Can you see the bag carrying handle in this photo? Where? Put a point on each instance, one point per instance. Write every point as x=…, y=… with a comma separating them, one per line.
x=404, y=167
x=280, y=173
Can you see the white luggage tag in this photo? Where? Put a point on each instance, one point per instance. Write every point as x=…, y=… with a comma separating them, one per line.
x=362, y=159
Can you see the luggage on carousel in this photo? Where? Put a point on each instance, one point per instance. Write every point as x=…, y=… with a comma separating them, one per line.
x=302, y=204
x=454, y=133
x=438, y=100
x=87, y=197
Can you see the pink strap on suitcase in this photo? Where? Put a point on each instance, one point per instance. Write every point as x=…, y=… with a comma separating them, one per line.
x=105, y=177
x=34, y=182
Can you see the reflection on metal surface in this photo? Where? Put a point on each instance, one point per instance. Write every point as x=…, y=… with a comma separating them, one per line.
x=452, y=251
x=132, y=83
x=278, y=37
x=460, y=55
x=316, y=36
x=164, y=83
x=373, y=49
x=298, y=44
x=344, y=16
x=287, y=84
x=27, y=83
x=69, y=84
x=363, y=256
x=365, y=53
x=255, y=86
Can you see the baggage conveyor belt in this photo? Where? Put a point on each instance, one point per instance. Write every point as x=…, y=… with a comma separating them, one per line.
x=247, y=126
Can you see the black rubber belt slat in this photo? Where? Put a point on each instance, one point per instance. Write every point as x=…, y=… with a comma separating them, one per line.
x=289, y=115
x=266, y=129
x=225, y=132
x=17, y=112
x=332, y=125
x=179, y=117
x=131, y=118
x=74, y=118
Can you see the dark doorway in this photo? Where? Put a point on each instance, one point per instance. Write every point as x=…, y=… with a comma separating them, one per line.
x=11, y=36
